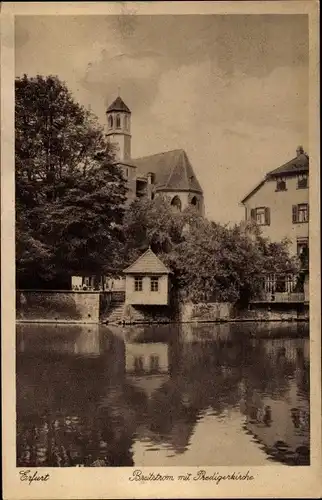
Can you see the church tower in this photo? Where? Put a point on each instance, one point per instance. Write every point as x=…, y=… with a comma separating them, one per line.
x=119, y=129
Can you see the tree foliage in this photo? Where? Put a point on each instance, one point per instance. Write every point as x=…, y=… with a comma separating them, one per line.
x=210, y=261
x=69, y=195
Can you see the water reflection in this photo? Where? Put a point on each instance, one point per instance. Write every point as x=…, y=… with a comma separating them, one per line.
x=164, y=395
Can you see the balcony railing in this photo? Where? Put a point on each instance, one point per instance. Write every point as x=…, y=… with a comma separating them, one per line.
x=280, y=297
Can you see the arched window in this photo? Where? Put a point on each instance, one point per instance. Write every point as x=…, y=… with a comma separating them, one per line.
x=118, y=121
x=195, y=202
x=126, y=122
x=176, y=203
x=110, y=121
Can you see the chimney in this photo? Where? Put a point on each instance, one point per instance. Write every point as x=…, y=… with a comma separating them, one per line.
x=299, y=150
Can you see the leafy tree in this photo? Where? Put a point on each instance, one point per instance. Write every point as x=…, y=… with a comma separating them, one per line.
x=219, y=263
x=151, y=223
x=210, y=261
x=69, y=195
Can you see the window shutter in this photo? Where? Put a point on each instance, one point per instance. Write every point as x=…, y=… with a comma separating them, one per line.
x=308, y=212
x=294, y=214
x=267, y=216
x=253, y=214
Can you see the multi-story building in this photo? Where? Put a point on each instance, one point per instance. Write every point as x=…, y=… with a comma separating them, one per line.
x=279, y=204
x=168, y=173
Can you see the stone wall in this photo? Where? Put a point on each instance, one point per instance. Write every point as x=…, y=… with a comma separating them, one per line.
x=224, y=311
x=57, y=306
x=276, y=312
x=92, y=307
x=216, y=311
x=148, y=314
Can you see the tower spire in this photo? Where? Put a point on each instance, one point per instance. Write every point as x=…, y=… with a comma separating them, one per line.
x=119, y=127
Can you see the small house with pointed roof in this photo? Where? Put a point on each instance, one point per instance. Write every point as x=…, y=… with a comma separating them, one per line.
x=147, y=281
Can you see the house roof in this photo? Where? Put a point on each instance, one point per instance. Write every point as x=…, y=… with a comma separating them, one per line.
x=297, y=165
x=253, y=191
x=118, y=105
x=172, y=170
x=147, y=263
x=148, y=383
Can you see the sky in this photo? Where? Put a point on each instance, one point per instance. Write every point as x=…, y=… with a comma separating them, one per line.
x=231, y=90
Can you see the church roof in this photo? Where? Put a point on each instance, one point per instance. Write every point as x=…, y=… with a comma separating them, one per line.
x=147, y=263
x=172, y=170
x=118, y=105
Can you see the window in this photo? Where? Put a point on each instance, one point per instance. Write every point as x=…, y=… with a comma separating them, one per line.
x=154, y=284
x=195, y=202
x=300, y=213
x=261, y=216
x=302, y=181
x=303, y=251
x=118, y=121
x=110, y=121
x=138, y=364
x=138, y=284
x=302, y=245
x=176, y=204
x=86, y=281
x=154, y=364
x=280, y=185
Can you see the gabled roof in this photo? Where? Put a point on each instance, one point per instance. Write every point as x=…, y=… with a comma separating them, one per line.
x=147, y=263
x=254, y=190
x=148, y=383
x=118, y=105
x=172, y=170
x=298, y=165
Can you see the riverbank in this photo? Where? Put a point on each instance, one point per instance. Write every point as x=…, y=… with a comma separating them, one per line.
x=87, y=307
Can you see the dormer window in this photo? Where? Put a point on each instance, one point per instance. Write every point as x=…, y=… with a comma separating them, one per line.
x=302, y=181
x=280, y=185
x=118, y=121
x=110, y=121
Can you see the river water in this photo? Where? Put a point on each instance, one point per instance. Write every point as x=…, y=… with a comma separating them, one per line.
x=188, y=395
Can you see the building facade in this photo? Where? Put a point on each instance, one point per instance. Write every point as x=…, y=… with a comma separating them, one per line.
x=147, y=281
x=279, y=204
x=168, y=173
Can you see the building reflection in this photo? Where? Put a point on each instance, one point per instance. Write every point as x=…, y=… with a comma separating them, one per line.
x=86, y=393
x=278, y=417
x=61, y=339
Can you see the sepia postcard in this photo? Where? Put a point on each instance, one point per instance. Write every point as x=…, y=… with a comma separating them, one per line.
x=160, y=250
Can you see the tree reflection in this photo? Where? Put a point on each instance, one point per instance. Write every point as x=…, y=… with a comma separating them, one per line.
x=86, y=406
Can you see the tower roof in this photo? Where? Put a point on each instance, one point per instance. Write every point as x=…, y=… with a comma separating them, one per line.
x=118, y=105
x=172, y=170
